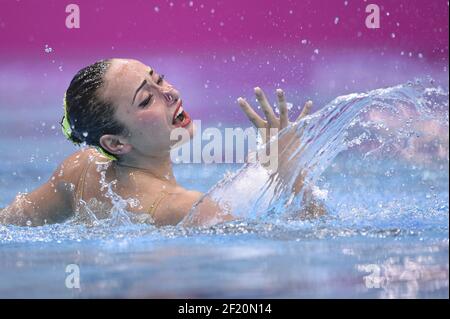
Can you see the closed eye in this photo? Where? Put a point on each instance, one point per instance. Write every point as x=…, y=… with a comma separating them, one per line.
x=145, y=102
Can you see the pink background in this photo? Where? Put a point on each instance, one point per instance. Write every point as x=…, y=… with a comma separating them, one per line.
x=215, y=51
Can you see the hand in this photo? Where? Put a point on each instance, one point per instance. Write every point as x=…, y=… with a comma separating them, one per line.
x=288, y=143
x=271, y=120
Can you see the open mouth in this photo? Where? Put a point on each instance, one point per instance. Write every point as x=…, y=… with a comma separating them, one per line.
x=180, y=117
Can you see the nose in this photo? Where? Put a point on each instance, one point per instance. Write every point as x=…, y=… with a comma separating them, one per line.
x=171, y=96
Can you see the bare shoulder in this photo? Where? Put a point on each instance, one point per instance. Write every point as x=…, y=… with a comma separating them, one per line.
x=186, y=198
x=207, y=211
x=53, y=201
x=71, y=168
x=176, y=205
x=67, y=175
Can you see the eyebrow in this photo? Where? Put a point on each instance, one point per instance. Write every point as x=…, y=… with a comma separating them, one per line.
x=141, y=86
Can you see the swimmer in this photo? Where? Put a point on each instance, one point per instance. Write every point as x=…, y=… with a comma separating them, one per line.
x=124, y=111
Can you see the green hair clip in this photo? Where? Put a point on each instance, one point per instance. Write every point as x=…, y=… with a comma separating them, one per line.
x=65, y=125
x=108, y=156
x=67, y=131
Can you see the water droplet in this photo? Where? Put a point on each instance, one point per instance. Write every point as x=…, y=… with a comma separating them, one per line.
x=48, y=49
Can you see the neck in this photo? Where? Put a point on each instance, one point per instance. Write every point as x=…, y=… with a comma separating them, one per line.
x=158, y=166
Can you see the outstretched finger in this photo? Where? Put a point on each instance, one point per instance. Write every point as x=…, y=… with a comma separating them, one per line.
x=268, y=111
x=306, y=109
x=251, y=114
x=282, y=106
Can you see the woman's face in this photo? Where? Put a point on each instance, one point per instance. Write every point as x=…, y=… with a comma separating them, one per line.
x=148, y=106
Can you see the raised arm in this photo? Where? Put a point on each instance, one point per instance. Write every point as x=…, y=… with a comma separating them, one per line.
x=217, y=205
x=273, y=125
x=288, y=144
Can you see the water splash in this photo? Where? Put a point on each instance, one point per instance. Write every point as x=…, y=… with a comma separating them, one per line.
x=379, y=160
x=115, y=213
x=401, y=130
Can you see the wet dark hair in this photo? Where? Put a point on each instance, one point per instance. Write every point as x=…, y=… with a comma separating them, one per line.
x=90, y=116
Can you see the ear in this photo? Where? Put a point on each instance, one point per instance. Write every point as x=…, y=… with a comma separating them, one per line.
x=115, y=144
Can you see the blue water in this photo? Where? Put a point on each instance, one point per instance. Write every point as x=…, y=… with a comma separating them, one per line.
x=384, y=179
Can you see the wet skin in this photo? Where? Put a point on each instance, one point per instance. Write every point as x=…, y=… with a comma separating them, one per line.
x=147, y=105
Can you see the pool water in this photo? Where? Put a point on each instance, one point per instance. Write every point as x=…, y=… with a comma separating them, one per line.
x=385, y=236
